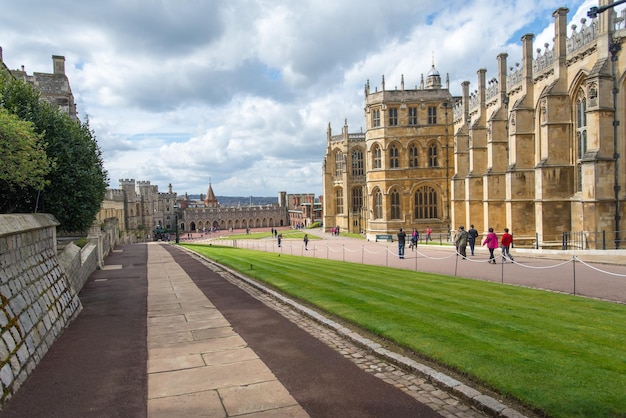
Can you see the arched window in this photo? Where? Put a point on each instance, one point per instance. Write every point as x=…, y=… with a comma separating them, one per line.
x=357, y=163
x=339, y=200
x=432, y=155
x=581, y=138
x=338, y=163
x=395, y=205
x=378, y=204
x=357, y=199
x=426, y=203
x=413, y=156
x=376, y=157
x=393, y=157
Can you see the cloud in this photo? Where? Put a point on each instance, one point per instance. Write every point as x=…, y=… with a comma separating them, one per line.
x=241, y=93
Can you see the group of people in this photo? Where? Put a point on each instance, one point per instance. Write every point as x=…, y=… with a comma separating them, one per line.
x=415, y=237
x=464, y=238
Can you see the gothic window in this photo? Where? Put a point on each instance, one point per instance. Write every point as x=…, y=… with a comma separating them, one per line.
x=413, y=156
x=393, y=116
x=376, y=118
x=357, y=163
x=395, y=205
x=393, y=157
x=413, y=116
x=378, y=204
x=432, y=155
x=432, y=115
x=426, y=204
x=338, y=163
x=339, y=200
x=357, y=199
x=377, y=157
x=581, y=138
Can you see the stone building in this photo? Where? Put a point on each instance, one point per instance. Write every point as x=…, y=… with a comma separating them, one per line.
x=535, y=148
x=54, y=87
x=397, y=174
x=211, y=216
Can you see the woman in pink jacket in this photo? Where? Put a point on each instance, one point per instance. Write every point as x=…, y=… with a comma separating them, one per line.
x=492, y=243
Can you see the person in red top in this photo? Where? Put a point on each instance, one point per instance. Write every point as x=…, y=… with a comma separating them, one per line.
x=505, y=243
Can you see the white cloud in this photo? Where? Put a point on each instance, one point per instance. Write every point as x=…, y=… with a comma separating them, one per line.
x=242, y=92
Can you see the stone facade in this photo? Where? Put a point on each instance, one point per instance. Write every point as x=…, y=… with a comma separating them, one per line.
x=209, y=215
x=396, y=174
x=536, y=148
x=54, y=87
x=38, y=299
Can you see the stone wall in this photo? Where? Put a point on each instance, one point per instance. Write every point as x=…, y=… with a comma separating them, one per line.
x=38, y=299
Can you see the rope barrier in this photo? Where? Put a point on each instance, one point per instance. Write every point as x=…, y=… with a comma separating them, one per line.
x=599, y=270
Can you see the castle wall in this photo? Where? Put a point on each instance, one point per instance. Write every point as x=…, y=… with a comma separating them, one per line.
x=37, y=298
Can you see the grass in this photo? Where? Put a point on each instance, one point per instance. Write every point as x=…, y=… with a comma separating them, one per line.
x=559, y=354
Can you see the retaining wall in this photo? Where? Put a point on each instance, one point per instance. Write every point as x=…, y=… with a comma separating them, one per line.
x=38, y=299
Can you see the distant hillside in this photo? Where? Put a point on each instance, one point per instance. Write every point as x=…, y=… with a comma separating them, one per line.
x=230, y=201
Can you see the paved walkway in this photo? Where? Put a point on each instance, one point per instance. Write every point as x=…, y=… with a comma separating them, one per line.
x=198, y=366
x=167, y=334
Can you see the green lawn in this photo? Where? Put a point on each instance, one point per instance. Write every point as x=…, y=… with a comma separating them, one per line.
x=561, y=354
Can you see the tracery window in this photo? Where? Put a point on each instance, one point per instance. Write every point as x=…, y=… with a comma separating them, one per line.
x=376, y=118
x=393, y=116
x=393, y=157
x=377, y=157
x=412, y=116
x=581, y=138
x=338, y=163
x=378, y=204
x=357, y=199
x=413, y=156
x=432, y=155
x=339, y=200
x=395, y=205
x=432, y=115
x=357, y=163
x=426, y=203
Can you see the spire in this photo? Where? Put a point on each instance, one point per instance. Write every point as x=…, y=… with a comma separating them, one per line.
x=211, y=200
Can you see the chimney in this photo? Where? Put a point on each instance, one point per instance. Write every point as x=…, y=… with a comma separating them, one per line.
x=58, y=62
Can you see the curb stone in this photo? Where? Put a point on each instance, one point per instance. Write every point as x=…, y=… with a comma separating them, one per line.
x=483, y=402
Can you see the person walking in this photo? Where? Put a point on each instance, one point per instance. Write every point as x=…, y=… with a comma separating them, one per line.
x=472, y=234
x=306, y=241
x=505, y=243
x=415, y=236
x=428, y=232
x=279, y=237
x=461, y=242
x=492, y=243
x=401, y=243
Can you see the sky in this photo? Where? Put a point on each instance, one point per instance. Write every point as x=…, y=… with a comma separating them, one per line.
x=239, y=94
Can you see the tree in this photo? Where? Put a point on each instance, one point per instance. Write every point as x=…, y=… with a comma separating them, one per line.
x=77, y=181
x=24, y=161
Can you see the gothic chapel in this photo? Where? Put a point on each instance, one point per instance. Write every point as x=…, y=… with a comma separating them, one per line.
x=536, y=148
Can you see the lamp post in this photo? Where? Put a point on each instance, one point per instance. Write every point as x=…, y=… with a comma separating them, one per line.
x=176, y=222
x=614, y=48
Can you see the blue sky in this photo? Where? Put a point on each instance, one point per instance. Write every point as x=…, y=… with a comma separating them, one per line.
x=240, y=93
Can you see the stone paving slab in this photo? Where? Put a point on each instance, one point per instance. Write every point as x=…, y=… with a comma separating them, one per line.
x=197, y=365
